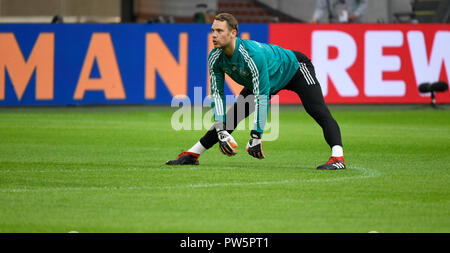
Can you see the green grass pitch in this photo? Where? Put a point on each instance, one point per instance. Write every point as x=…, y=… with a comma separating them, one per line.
x=101, y=169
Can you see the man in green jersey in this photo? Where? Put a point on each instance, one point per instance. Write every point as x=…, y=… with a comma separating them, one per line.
x=263, y=70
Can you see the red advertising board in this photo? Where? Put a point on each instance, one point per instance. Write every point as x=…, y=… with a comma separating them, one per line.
x=371, y=63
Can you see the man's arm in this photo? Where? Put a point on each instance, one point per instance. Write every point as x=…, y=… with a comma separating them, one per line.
x=217, y=87
x=261, y=90
x=227, y=144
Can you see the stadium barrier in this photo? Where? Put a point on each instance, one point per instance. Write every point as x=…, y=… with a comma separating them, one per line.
x=85, y=64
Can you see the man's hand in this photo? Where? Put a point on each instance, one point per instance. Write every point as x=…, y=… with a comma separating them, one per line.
x=254, y=145
x=227, y=144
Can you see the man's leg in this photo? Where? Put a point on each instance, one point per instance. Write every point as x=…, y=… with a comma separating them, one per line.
x=239, y=111
x=314, y=103
x=307, y=87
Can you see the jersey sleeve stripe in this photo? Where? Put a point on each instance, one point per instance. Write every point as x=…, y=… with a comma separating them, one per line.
x=216, y=95
x=253, y=68
x=255, y=80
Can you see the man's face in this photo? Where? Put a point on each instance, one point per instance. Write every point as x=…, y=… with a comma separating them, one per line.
x=222, y=34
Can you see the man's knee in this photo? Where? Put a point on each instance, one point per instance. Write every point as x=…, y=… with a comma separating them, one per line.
x=319, y=112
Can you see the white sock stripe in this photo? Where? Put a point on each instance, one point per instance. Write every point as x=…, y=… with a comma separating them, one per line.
x=337, y=151
x=197, y=148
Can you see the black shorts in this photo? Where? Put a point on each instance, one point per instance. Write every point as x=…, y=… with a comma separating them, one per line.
x=304, y=83
x=304, y=77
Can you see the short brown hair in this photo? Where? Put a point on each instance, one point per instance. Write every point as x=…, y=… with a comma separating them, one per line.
x=231, y=20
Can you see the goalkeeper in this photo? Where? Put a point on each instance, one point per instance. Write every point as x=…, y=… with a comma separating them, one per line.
x=263, y=70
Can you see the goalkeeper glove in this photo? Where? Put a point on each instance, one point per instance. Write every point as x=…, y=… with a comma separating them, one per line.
x=227, y=144
x=254, y=145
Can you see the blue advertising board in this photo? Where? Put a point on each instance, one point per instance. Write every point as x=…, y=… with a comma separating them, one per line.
x=85, y=64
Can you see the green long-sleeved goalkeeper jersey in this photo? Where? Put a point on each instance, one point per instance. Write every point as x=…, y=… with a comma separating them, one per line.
x=262, y=68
